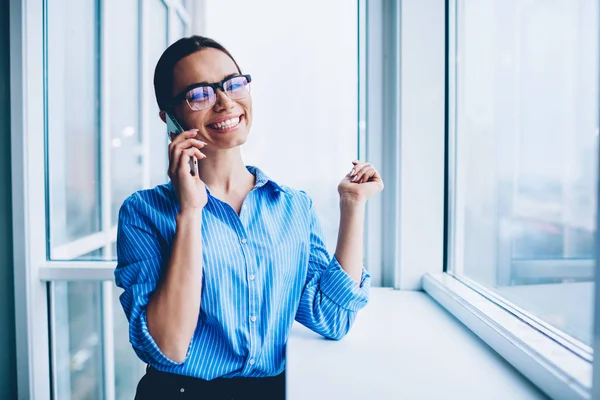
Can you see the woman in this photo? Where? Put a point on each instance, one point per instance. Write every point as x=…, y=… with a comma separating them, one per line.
x=217, y=265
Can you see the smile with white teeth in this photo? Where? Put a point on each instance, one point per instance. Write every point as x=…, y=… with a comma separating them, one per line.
x=230, y=123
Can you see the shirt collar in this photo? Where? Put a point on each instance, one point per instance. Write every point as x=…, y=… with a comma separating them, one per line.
x=261, y=180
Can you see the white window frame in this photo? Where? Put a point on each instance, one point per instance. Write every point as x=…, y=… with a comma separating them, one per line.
x=33, y=273
x=414, y=164
x=401, y=122
x=28, y=193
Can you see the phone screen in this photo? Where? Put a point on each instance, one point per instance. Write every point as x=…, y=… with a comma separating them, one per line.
x=174, y=128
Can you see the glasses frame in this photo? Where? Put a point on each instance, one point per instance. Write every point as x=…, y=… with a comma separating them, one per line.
x=217, y=85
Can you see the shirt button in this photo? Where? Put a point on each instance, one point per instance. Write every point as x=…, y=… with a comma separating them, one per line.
x=251, y=361
x=245, y=206
x=244, y=240
x=253, y=318
x=251, y=277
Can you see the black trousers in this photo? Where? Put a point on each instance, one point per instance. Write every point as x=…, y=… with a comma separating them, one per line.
x=163, y=385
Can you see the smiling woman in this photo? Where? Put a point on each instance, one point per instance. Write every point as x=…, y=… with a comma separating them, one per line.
x=217, y=265
x=232, y=113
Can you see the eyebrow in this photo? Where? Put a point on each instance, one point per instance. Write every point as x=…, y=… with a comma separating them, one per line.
x=226, y=77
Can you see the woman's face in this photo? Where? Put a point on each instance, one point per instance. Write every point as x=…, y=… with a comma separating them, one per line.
x=210, y=66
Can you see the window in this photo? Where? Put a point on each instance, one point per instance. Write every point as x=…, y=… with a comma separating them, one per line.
x=73, y=134
x=526, y=139
x=78, y=340
x=124, y=105
x=523, y=183
x=157, y=15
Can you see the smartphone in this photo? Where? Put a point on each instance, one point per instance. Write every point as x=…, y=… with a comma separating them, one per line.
x=174, y=128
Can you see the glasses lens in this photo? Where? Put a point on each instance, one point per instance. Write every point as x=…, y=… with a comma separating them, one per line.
x=201, y=97
x=237, y=87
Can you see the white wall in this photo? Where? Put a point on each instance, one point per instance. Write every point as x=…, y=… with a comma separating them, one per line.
x=303, y=59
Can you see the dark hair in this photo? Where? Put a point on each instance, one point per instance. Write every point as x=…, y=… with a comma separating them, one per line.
x=163, y=73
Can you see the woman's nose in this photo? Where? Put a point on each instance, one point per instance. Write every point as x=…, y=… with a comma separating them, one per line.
x=222, y=101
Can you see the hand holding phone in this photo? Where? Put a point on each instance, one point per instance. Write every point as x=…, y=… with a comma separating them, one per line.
x=174, y=128
x=189, y=188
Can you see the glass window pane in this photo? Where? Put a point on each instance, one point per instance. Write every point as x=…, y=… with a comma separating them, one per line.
x=73, y=120
x=97, y=254
x=527, y=145
x=77, y=327
x=78, y=341
x=156, y=37
x=306, y=140
x=124, y=102
x=128, y=367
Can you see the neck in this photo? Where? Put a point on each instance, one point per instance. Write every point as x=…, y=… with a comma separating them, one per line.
x=224, y=171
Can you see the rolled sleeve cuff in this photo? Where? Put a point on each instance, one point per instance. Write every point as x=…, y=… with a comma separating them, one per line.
x=338, y=286
x=149, y=349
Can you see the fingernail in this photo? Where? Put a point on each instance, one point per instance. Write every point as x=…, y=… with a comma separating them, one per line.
x=353, y=179
x=352, y=172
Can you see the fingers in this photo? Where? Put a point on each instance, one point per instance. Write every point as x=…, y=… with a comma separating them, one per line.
x=364, y=175
x=176, y=149
x=358, y=171
x=187, y=161
x=364, y=172
x=180, y=155
x=182, y=148
x=183, y=140
x=357, y=165
x=183, y=136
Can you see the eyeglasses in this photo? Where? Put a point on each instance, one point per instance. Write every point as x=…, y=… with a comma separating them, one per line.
x=201, y=96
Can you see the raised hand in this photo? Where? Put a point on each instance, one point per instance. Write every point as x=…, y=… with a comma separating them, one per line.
x=362, y=182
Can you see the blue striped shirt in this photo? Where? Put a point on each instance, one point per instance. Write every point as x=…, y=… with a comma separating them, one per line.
x=261, y=270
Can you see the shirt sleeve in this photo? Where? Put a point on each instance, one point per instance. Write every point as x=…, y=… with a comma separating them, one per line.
x=331, y=298
x=139, y=261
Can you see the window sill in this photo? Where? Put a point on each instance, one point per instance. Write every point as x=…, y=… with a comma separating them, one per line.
x=402, y=345
x=555, y=369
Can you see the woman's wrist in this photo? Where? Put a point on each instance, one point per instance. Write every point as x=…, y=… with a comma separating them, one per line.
x=351, y=201
x=189, y=215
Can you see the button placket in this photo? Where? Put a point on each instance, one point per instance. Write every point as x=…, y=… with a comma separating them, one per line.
x=252, y=320
x=253, y=295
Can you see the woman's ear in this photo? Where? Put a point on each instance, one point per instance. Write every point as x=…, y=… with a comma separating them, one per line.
x=161, y=114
